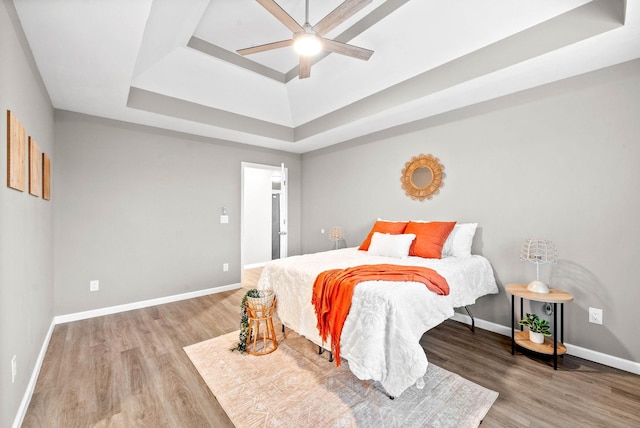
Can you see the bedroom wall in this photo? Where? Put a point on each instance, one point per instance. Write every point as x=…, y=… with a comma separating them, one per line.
x=557, y=162
x=139, y=210
x=26, y=260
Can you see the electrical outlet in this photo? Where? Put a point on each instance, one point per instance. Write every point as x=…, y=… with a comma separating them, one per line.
x=14, y=369
x=548, y=308
x=225, y=267
x=94, y=285
x=595, y=316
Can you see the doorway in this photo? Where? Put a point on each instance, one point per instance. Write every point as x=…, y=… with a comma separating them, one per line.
x=263, y=214
x=275, y=226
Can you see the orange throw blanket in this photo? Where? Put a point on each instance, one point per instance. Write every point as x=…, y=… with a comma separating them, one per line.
x=333, y=290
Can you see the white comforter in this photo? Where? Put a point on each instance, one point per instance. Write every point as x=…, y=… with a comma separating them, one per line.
x=380, y=338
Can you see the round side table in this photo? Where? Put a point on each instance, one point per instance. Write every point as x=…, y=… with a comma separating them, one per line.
x=551, y=346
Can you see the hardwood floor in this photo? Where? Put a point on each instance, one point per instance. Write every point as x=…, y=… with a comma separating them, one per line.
x=129, y=370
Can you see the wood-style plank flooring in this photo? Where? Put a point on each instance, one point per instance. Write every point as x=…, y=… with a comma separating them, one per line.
x=129, y=370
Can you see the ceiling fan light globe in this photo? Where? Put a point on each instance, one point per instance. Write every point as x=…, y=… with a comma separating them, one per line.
x=307, y=44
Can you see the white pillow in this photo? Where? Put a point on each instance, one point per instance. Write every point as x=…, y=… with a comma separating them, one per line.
x=458, y=243
x=385, y=244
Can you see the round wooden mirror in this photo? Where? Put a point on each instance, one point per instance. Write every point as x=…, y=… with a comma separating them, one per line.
x=422, y=177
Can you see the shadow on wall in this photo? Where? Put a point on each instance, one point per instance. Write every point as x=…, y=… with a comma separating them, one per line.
x=578, y=280
x=586, y=287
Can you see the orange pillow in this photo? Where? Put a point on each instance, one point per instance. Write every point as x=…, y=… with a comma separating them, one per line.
x=381, y=226
x=430, y=238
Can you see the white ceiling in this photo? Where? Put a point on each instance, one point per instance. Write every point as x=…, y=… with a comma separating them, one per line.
x=172, y=63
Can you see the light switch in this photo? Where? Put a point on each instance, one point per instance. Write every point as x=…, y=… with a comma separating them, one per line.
x=224, y=219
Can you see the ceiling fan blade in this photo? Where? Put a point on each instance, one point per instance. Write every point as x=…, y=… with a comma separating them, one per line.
x=345, y=49
x=274, y=9
x=265, y=47
x=304, y=69
x=340, y=14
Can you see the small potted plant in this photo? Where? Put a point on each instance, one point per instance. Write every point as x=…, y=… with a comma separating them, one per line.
x=538, y=328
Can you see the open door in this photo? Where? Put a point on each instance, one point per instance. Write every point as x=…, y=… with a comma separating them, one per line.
x=283, y=213
x=263, y=214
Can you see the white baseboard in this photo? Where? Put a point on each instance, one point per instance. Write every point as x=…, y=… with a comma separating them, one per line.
x=60, y=319
x=26, y=399
x=607, y=360
x=577, y=351
x=254, y=265
x=485, y=325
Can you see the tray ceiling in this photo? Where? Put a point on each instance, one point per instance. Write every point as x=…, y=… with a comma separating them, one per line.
x=172, y=64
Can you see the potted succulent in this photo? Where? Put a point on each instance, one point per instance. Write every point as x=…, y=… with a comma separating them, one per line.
x=538, y=328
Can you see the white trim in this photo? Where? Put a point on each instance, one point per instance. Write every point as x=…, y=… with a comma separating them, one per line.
x=254, y=265
x=576, y=351
x=485, y=325
x=26, y=399
x=60, y=319
x=607, y=360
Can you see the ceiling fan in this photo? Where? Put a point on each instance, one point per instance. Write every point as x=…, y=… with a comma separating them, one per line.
x=308, y=40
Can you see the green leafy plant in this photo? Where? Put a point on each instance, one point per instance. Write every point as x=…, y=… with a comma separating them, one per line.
x=244, y=321
x=536, y=325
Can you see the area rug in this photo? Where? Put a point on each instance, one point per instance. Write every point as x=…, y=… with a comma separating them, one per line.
x=294, y=386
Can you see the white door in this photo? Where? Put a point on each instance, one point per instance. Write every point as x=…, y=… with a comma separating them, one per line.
x=283, y=212
x=260, y=183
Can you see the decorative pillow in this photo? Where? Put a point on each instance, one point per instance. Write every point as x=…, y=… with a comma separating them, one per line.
x=385, y=244
x=381, y=226
x=430, y=238
x=458, y=244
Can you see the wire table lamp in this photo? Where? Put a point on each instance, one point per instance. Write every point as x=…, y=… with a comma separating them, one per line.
x=336, y=234
x=538, y=251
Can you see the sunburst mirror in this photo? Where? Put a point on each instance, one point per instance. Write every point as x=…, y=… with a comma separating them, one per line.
x=422, y=177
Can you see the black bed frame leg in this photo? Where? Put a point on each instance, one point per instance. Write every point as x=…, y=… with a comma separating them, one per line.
x=473, y=321
x=283, y=328
x=321, y=351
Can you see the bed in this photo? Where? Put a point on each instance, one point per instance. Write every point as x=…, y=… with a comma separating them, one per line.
x=381, y=334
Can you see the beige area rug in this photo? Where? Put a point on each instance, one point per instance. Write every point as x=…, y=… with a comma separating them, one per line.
x=296, y=387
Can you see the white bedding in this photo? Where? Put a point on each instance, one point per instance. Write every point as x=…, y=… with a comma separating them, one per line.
x=380, y=338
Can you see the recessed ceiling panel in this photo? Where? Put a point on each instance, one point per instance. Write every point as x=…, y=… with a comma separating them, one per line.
x=137, y=61
x=234, y=25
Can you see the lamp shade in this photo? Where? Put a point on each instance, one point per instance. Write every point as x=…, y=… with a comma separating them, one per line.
x=538, y=251
x=336, y=233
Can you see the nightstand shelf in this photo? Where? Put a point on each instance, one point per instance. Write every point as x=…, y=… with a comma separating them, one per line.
x=522, y=340
x=551, y=346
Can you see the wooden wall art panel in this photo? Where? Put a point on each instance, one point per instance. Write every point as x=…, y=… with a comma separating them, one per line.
x=16, y=139
x=46, y=177
x=34, y=168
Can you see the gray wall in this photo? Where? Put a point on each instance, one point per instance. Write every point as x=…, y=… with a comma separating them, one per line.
x=26, y=289
x=139, y=209
x=559, y=162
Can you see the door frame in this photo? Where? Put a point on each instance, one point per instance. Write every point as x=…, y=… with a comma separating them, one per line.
x=284, y=221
